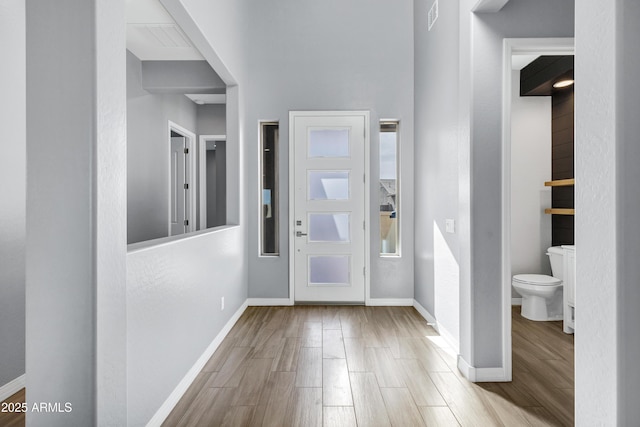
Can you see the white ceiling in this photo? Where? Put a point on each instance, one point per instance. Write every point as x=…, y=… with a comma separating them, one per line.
x=207, y=98
x=518, y=62
x=153, y=35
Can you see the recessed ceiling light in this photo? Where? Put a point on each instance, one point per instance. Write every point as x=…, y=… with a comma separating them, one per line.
x=199, y=101
x=563, y=83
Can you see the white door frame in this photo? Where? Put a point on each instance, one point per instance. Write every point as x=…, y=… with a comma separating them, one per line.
x=191, y=164
x=202, y=174
x=367, y=207
x=537, y=46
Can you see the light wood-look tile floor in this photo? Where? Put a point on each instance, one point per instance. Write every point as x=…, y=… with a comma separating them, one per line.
x=371, y=366
x=367, y=366
x=13, y=419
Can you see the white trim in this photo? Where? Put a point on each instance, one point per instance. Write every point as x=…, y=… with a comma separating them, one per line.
x=423, y=311
x=202, y=174
x=467, y=370
x=516, y=301
x=399, y=196
x=367, y=186
x=259, y=185
x=12, y=387
x=540, y=46
x=444, y=333
x=489, y=6
x=163, y=412
x=268, y=302
x=481, y=375
x=191, y=145
x=391, y=302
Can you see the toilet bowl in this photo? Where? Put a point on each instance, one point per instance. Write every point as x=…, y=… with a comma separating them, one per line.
x=542, y=294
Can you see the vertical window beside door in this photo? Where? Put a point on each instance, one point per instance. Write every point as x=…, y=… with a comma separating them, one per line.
x=389, y=188
x=269, y=245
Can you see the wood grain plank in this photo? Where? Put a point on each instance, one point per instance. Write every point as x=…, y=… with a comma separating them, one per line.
x=331, y=318
x=332, y=344
x=238, y=416
x=465, y=404
x=287, y=358
x=14, y=419
x=354, y=351
x=309, y=372
x=401, y=408
x=336, y=388
x=380, y=362
x=312, y=334
x=254, y=379
x=419, y=383
x=338, y=416
x=188, y=398
x=306, y=407
x=233, y=368
x=367, y=400
x=277, y=393
x=440, y=416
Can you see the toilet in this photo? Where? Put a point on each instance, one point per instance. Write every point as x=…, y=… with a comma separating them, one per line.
x=542, y=294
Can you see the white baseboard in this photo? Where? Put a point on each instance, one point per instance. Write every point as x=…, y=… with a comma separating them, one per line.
x=516, y=301
x=12, y=387
x=481, y=375
x=267, y=302
x=423, y=311
x=163, y=412
x=444, y=333
x=397, y=302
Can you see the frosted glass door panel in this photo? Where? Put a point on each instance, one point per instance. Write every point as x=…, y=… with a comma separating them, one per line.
x=329, y=143
x=331, y=227
x=329, y=270
x=328, y=185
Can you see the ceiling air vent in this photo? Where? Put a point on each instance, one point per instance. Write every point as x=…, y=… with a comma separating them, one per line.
x=433, y=14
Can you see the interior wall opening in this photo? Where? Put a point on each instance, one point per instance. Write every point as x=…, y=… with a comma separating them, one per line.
x=538, y=152
x=183, y=189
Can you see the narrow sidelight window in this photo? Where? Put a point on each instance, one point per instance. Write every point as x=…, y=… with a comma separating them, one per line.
x=269, y=244
x=388, y=188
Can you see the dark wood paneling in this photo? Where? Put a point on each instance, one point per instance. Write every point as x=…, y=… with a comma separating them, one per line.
x=537, y=78
x=562, y=165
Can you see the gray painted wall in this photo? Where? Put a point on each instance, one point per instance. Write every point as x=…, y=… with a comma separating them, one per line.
x=458, y=136
x=180, y=77
x=148, y=153
x=608, y=206
x=12, y=191
x=173, y=311
x=436, y=162
x=217, y=185
x=628, y=208
x=530, y=168
x=211, y=119
x=176, y=286
x=333, y=55
x=76, y=211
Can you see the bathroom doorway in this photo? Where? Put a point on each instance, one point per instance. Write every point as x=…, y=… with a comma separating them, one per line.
x=539, y=236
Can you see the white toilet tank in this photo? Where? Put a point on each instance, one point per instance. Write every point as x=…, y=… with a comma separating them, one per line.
x=555, y=254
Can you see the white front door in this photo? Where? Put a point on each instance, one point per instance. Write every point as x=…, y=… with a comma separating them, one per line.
x=329, y=195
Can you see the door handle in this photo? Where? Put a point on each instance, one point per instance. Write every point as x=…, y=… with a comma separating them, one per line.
x=300, y=234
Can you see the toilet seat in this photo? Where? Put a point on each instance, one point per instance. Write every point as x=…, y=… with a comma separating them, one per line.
x=536, y=279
